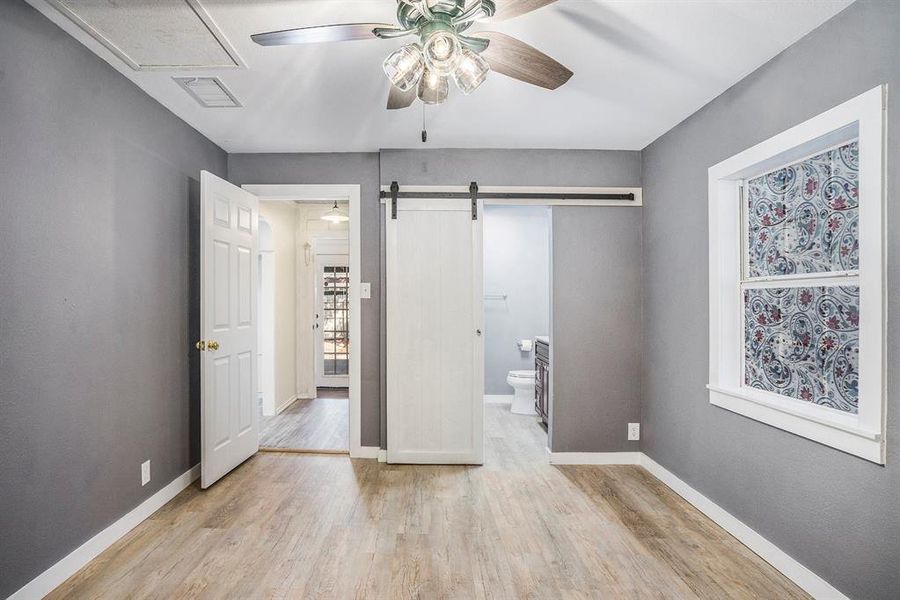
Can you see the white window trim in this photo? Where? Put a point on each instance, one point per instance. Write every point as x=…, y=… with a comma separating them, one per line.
x=862, y=117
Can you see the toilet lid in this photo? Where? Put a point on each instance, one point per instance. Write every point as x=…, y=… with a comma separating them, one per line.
x=522, y=374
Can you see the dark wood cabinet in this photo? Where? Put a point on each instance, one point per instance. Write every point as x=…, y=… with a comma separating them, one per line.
x=542, y=379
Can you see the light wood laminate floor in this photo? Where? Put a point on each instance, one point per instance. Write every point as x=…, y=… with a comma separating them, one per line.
x=319, y=424
x=306, y=526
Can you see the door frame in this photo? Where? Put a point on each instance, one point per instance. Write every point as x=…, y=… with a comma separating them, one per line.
x=266, y=330
x=351, y=195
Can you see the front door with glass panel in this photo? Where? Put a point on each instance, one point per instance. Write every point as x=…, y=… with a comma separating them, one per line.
x=333, y=321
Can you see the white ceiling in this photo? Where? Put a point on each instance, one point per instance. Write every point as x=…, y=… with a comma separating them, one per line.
x=641, y=66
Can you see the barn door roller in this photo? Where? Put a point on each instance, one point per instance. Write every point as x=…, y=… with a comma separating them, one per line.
x=395, y=187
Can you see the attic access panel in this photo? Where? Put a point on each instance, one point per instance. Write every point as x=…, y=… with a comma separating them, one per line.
x=158, y=35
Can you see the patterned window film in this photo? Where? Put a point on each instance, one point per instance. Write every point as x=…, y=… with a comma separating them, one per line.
x=801, y=321
x=804, y=218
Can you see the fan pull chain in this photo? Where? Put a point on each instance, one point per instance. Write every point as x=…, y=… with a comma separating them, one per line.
x=424, y=131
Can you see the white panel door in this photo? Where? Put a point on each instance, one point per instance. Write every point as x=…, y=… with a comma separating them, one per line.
x=229, y=426
x=435, y=383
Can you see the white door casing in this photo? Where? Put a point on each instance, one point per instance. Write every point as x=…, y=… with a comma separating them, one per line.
x=435, y=383
x=229, y=426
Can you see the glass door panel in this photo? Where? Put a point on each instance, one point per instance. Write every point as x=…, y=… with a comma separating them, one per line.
x=333, y=319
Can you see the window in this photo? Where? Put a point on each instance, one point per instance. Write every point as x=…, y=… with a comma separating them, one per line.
x=336, y=305
x=796, y=306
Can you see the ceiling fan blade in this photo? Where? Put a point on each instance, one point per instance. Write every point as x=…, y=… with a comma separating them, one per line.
x=400, y=99
x=516, y=59
x=343, y=32
x=508, y=9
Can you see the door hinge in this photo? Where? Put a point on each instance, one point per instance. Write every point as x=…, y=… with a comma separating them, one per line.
x=473, y=190
x=395, y=187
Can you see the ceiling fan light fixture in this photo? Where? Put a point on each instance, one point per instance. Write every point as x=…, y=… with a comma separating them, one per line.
x=442, y=52
x=335, y=215
x=433, y=87
x=404, y=67
x=471, y=71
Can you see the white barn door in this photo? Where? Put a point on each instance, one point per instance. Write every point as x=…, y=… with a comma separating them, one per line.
x=435, y=382
x=229, y=423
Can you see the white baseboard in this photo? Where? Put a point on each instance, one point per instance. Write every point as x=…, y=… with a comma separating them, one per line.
x=382, y=456
x=769, y=552
x=595, y=458
x=47, y=581
x=280, y=408
x=366, y=452
x=498, y=398
x=772, y=554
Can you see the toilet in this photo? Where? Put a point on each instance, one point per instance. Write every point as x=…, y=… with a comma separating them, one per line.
x=523, y=384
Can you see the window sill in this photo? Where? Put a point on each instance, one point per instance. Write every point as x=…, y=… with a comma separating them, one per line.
x=836, y=430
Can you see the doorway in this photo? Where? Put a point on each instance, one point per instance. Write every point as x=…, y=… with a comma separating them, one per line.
x=517, y=314
x=313, y=319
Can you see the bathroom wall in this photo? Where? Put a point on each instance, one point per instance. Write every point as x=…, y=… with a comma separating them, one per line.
x=837, y=514
x=282, y=218
x=517, y=264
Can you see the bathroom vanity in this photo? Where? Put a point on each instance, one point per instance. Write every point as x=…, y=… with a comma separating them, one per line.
x=542, y=377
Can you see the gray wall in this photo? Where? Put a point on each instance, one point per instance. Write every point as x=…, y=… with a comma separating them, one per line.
x=98, y=214
x=837, y=514
x=595, y=328
x=613, y=168
x=340, y=168
x=516, y=264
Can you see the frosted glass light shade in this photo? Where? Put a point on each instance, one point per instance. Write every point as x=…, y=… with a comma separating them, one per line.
x=335, y=215
x=433, y=87
x=442, y=52
x=404, y=67
x=471, y=71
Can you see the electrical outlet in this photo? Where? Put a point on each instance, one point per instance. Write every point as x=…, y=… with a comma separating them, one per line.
x=634, y=431
x=145, y=472
x=365, y=290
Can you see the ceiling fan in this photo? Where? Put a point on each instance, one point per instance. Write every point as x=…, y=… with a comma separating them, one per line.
x=423, y=69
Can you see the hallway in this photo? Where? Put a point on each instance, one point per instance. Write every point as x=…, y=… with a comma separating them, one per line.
x=320, y=423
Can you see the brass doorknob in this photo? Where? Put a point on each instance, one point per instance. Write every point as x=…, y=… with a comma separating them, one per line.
x=212, y=345
x=201, y=345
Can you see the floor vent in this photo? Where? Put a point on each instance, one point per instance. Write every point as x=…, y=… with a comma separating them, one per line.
x=209, y=92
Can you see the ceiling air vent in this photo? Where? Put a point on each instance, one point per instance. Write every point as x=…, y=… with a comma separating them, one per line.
x=208, y=91
x=153, y=35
